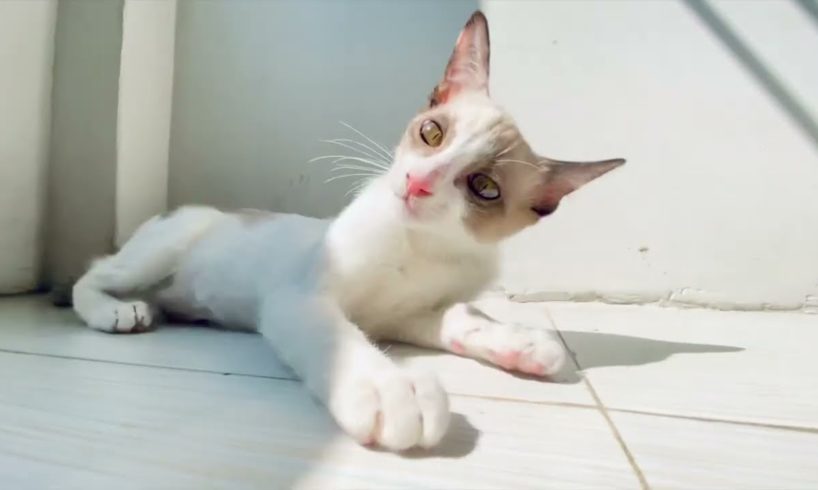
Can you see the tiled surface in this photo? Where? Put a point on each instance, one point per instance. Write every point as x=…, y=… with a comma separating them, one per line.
x=203, y=408
x=748, y=366
x=65, y=420
x=683, y=454
x=31, y=324
x=470, y=377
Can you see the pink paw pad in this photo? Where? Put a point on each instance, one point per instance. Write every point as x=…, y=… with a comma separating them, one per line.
x=506, y=360
x=457, y=347
x=535, y=368
x=516, y=361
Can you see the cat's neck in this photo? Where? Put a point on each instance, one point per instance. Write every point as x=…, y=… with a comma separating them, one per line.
x=372, y=226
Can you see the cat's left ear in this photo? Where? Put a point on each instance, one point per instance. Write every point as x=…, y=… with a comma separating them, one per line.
x=563, y=178
x=468, y=68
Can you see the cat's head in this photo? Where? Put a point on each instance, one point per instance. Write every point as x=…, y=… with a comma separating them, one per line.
x=462, y=164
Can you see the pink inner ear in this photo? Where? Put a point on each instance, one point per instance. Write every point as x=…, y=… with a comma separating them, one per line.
x=566, y=177
x=468, y=67
x=550, y=197
x=442, y=93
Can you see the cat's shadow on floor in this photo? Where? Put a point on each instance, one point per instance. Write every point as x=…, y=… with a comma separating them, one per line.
x=594, y=350
x=591, y=350
x=460, y=440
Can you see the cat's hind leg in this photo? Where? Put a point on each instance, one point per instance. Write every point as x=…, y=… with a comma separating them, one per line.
x=105, y=296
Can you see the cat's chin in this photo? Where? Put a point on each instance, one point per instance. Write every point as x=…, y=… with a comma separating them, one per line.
x=422, y=212
x=419, y=213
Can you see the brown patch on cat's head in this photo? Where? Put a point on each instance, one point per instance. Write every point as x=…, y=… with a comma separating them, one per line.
x=531, y=187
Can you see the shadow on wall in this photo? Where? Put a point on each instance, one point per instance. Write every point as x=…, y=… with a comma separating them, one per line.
x=788, y=102
x=811, y=8
x=257, y=85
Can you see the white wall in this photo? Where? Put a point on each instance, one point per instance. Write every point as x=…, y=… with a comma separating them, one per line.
x=26, y=56
x=718, y=204
x=113, y=75
x=258, y=84
x=81, y=213
x=144, y=111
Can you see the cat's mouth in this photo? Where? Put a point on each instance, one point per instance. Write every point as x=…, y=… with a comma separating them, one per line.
x=422, y=208
x=411, y=205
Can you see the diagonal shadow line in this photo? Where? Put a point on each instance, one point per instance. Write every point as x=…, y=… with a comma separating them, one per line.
x=788, y=102
x=810, y=7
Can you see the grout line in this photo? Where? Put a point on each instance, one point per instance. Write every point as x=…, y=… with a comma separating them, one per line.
x=643, y=483
x=697, y=418
x=153, y=366
x=597, y=406
x=277, y=378
x=631, y=459
x=523, y=401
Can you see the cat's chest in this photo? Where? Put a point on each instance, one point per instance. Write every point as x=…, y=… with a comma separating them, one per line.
x=384, y=291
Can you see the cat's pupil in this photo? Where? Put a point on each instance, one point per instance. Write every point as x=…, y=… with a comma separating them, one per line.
x=482, y=186
x=431, y=133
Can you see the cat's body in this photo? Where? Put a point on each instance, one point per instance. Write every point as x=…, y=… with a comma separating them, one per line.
x=278, y=252
x=400, y=262
x=291, y=254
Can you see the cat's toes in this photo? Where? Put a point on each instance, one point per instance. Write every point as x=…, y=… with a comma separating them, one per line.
x=395, y=410
x=531, y=351
x=124, y=317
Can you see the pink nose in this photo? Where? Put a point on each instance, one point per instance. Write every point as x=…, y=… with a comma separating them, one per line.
x=417, y=186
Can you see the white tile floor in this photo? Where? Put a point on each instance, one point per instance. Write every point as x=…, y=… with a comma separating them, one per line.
x=662, y=398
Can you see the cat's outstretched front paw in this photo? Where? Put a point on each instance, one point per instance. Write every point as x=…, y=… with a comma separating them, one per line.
x=122, y=317
x=512, y=347
x=394, y=409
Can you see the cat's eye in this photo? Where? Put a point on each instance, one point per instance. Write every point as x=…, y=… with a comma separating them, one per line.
x=483, y=186
x=431, y=133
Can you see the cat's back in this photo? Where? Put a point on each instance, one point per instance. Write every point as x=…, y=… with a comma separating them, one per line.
x=222, y=274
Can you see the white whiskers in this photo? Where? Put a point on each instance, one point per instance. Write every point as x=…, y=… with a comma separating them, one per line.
x=370, y=159
x=509, y=148
x=386, y=153
x=522, y=162
x=361, y=148
x=375, y=164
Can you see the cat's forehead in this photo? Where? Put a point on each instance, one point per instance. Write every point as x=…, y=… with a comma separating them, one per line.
x=479, y=114
x=481, y=125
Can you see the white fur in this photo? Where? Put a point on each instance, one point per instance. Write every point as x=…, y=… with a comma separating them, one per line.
x=320, y=290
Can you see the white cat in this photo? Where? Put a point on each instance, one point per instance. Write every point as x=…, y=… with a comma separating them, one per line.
x=399, y=263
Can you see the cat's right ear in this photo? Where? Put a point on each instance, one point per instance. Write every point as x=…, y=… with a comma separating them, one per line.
x=468, y=68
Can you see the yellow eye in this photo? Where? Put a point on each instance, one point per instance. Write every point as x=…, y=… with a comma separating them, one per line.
x=431, y=133
x=483, y=186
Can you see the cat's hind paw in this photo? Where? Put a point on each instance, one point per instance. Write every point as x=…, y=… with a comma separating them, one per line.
x=122, y=317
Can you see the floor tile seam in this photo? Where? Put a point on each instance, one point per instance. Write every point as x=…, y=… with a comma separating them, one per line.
x=278, y=378
x=637, y=470
x=715, y=420
x=145, y=365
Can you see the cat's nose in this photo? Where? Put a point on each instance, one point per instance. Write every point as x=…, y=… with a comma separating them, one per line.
x=420, y=185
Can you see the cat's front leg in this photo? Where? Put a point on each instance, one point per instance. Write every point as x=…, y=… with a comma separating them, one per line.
x=465, y=330
x=370, y=397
